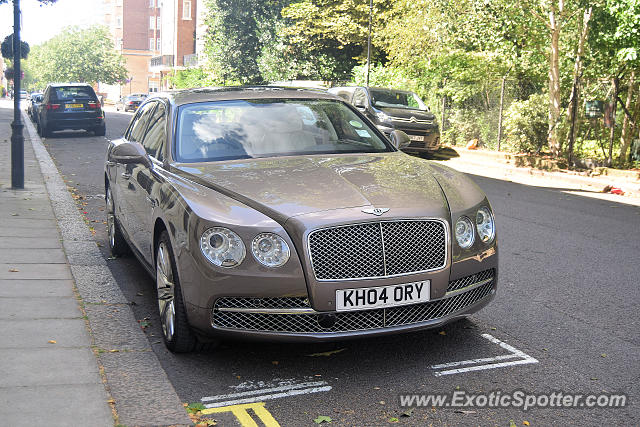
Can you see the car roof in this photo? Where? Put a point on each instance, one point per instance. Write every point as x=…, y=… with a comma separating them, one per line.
x=189, y=96
x=70, y=84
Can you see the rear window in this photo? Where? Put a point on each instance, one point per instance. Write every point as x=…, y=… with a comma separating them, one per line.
x=73, y=92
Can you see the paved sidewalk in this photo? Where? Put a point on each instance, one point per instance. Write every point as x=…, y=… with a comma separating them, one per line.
x=48, y=372
x=71, y=351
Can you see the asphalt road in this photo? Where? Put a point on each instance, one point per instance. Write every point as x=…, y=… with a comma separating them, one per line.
x=564, y=320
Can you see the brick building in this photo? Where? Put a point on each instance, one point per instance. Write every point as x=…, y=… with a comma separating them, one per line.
x=154, y=36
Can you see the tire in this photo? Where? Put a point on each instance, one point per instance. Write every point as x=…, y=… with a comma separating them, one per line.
x=100, y=130
x=176, y=332
x=117, y=243
x=47, y=132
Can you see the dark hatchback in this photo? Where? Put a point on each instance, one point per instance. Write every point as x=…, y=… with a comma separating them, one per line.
x=131, y=102
x=70, y=106
x=392, y=109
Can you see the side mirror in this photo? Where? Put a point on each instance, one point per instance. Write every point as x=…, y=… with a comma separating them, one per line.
x=130, y=153
x=359, y=104
x=399, y=139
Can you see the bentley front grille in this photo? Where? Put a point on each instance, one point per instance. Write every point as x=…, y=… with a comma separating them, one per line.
x=378, y=249
x=247, y=314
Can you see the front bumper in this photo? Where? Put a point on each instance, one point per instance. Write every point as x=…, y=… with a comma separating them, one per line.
x=292, y=318
x=62, y=124
x=429, y=144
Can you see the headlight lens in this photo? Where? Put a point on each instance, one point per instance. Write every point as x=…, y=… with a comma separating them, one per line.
x=270, y=249
x=485, y=225
x=383, y=117
x=464, y=232
x=222, y=247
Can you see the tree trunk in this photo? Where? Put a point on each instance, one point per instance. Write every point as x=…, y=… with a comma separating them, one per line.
x=554, y=83
x=616, y=90
x=575, y=90
x=625, y=137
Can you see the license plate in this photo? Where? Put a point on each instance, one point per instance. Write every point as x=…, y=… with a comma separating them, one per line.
x=416, y=137
x=74, y=105
x=383, y=296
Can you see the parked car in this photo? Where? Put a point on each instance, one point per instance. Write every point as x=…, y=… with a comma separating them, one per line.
x=70, y=106
x=24, y=94
x=391, y=109
x=35, y=99
x=130, y=102
x=284, y=214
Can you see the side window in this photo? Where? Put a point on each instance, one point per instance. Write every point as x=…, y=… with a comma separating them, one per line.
x=155, y=137
x=359, y=98
x=139, y=124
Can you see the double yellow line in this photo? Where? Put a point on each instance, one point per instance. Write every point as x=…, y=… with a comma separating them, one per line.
x=241, y=412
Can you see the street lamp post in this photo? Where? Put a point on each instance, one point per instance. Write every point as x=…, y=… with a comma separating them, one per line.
x=369, y=42
x=17, y=138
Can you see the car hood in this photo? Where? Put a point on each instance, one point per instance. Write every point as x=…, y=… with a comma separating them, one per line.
x=285, y=187
x=407, y=113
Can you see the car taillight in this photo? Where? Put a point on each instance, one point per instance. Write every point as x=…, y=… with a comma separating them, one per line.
x=93, y=105
x=129, y=102
x=53, y=106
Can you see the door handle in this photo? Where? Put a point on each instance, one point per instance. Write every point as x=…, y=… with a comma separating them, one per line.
x=125, y=175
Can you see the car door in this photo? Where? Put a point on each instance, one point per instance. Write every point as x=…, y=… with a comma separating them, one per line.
x=147, y=180
x=127, y=191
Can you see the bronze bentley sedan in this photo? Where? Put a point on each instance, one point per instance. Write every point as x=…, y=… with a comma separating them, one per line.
x=285, y=214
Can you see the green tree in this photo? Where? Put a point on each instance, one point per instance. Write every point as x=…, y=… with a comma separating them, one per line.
x=79, y=55
x=234, y=38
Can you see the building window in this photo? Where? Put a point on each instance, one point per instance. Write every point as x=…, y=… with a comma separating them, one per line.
x=186, y=9
x=152, y=22
x=158, y=22
x=152, y=3
x=153, y=86
x=152, y=44
x=158, y=44
x=118, y=21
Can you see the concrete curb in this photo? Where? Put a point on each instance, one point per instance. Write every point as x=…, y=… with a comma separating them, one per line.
x=135, y=379
x=497, y=165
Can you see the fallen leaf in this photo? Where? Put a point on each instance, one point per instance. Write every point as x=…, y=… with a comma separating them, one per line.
x=407, y=413
x=493, y=329
x=442, y=333
x=512, y=423
x=525, y=422
x=326, y=353
x=111, y=401
x=14, y=214
x=275, y=362
x=52, y=342
x=393, y=420
x=322, y=419
x=139, y=294
x=603, y=355
x=466, y=412
x=13, y=270
x=114, y=351
x=382, y=402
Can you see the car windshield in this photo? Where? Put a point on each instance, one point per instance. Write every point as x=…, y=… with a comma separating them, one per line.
x=396, y=99
x=136, y=97
x=227, y=130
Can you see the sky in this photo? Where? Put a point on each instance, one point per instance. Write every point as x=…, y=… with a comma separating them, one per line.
x=41, y=22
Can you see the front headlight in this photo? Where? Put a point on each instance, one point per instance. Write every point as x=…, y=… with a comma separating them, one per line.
x=222, y=247
x=485, y=225
x=383, y=117
x=464, y=232
x=270, y=249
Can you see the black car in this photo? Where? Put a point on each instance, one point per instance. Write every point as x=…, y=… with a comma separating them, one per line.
x=35, y=99
x=391, y=109
x=70, y=106
x=131, y=102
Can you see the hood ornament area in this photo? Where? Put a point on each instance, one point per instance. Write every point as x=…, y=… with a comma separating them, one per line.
x=375, y=211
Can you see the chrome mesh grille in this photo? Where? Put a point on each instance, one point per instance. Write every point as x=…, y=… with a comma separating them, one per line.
x=281, y=302
x=352, y=320
x=470, y=280
x=377, y=249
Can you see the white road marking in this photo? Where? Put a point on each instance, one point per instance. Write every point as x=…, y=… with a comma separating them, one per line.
x=486, y=362
x=262, y=394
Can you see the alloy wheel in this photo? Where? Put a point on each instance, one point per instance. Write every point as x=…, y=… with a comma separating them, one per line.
x=166, y=291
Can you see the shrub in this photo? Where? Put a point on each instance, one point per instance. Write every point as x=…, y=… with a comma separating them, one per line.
x=526, y=124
